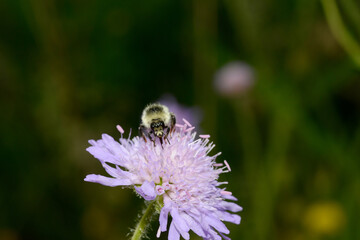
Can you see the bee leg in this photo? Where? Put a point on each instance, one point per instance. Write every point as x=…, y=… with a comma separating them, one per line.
x=173, y=122
x=142, y=132
x=161, y=142
x=151, y=137
x=167, y=134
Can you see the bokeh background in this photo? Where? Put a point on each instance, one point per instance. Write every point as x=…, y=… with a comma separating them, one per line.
x=275, y=83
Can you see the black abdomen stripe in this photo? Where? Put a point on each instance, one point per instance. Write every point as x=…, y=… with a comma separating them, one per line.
x=155, y=109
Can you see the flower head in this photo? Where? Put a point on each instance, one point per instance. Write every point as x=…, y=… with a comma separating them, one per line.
x=179, y=174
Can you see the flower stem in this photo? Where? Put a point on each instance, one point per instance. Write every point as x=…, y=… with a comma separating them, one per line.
x=144, y=221
x=339, y=30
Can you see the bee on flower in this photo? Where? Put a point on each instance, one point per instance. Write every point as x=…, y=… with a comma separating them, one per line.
x=156, y=122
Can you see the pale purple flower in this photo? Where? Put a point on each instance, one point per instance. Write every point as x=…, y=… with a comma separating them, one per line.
x=234, y=78
x=180, y=175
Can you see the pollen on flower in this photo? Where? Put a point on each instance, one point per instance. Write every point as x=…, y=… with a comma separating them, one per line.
x=189, y=129
x=120, y=129
x=226, y=193
x=159, y=190
x=186, y=122
x=180, y=170
x=227, y=165
x=218, y=164
x=204, y=136
x=166, y=186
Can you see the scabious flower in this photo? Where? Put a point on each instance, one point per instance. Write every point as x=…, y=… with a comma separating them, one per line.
x=179, y=174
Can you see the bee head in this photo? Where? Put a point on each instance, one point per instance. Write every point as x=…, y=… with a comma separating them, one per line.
x=158, y=128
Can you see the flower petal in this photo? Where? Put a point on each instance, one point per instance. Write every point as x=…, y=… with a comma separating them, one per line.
x=231, y=206
x=230, y=197
x=163, y=218
x=147, y=190
x=117, y=172
x=103, y=154
x=217, y=224
x=228, y=217
x=111, y=182
x=193, y=224
x=224, y=237
x=180, y=223
x=173, y=233
x=214, y=235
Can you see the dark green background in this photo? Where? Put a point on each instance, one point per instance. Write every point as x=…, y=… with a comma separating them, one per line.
x=73, y=69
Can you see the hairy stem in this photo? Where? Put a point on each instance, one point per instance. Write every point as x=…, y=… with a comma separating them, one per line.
x=144, y=221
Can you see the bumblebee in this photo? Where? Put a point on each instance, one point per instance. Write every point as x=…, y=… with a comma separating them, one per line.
x=156, y=122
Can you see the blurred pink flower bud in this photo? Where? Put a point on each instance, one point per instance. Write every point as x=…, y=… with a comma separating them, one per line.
x=234, y=79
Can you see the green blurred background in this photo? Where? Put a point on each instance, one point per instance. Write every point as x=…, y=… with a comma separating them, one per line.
x=73, y=69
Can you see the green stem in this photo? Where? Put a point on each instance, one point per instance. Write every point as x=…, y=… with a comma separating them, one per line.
x=339, y=30
x=351, y=7
x=144, y=221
